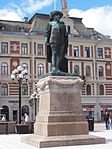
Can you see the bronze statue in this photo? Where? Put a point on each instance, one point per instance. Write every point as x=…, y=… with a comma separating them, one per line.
x=56, y=39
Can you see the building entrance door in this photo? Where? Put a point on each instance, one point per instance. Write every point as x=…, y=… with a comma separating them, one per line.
x=15, y=115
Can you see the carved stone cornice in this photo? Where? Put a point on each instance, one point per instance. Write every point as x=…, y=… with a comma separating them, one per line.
x=63, y=82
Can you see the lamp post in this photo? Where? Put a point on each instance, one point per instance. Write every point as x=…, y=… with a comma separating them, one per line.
x=35, y=99
x=19, y=74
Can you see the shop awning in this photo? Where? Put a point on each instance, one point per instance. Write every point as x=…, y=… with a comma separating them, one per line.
x=88, y=109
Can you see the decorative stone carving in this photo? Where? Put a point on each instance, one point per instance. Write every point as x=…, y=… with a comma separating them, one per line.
x=59, y=81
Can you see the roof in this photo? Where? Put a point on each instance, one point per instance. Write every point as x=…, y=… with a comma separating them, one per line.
x=38, y=23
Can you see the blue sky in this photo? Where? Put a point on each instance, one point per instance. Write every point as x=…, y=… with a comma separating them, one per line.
x=95, y=13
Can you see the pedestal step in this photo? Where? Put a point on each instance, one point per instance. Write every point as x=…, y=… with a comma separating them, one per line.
x=56, y=141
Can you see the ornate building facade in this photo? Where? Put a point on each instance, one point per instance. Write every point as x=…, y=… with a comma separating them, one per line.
x=89, y=55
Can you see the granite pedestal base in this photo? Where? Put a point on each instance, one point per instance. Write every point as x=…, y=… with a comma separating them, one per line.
x=60, y=121
x=56, y=141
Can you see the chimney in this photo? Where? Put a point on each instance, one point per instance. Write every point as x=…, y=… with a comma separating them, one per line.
x=26, y=19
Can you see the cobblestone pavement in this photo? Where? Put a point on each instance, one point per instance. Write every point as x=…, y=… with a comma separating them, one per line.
x=13, y=141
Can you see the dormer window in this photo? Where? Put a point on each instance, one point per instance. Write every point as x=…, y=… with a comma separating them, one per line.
x=21, y=29
x=2, y=28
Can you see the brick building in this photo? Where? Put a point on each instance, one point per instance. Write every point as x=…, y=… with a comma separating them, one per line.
x=89, y=55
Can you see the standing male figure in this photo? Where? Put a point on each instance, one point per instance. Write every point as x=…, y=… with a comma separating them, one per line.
x=56, y=39
x=106, y=119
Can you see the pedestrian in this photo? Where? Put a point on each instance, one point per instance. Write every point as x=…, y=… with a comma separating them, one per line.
x=106, y=119
x=110, y=120
x=26, y=118
x=3, y=118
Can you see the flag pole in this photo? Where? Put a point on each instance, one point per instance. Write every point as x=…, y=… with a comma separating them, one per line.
x=55, y=4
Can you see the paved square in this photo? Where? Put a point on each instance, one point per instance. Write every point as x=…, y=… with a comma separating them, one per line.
x=13, y=141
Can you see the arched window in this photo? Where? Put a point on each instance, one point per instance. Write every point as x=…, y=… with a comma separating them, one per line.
x=101, y=73
x=76, y=69
x=25, y=66
x=4, y=89
x=88, y=71
x=4, y=69
x=24, y=89
x=5, y=111
x=101, y=89
x=25, y=109
x=40, y=69
x=88, y=89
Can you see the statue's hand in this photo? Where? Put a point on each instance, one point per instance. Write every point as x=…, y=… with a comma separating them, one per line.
x=47, y=43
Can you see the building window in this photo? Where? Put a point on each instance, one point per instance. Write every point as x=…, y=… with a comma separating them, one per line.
x=88, y=71
x=40, y=69
x=25, y=66
x=87, y=52
x=101, y=74
x=76, y=51
x=4, y=69
x=100, y=53
x=4, y=47
x=88, y=89
x=24, y=48
x=40, y=49
x=24, y=89
x=76, y=69
x=2, y=28
x=5, y=111
x=4, y=89
x=25, y=109
x=101, y=90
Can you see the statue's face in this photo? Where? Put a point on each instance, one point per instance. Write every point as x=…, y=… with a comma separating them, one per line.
x=56, y=17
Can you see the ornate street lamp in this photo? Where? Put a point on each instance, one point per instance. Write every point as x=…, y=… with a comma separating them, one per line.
x=19, y=74
x=35, y=99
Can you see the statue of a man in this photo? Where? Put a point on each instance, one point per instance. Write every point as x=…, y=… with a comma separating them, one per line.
x=56, y=39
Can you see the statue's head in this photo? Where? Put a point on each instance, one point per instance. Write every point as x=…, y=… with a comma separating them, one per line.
x=54, y=13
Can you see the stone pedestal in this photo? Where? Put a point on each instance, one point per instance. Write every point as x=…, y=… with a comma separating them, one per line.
x=60, y=121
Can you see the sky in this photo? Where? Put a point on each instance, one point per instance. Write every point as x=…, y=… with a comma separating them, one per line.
x=96, y=14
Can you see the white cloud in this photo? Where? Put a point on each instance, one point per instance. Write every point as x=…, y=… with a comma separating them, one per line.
x=99, y=18
x=36, y=5
x=17, y=11
x=9, y=15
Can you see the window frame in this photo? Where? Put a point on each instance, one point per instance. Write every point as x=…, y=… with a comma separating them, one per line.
x=4, y=68
x=76, y=51
x=24, y=48
x=99, y=71
x=76, y=69
x=101, y=89
x=100, y=53
x=4, y=47
x=88, y=70
x=88, y=89
x=87, y=52
x=40, y=49
x=40, y=69
x=24, y=89
x=4, y=89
